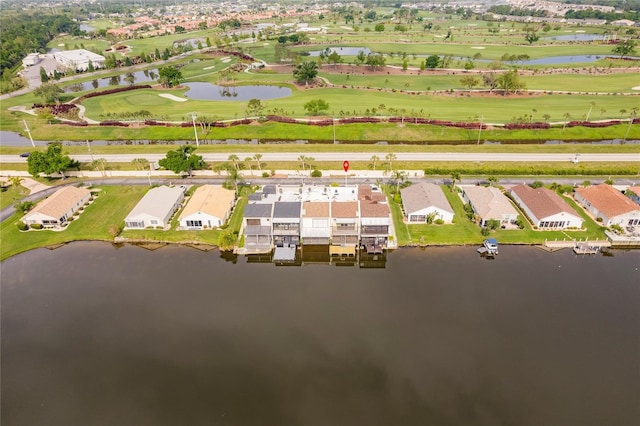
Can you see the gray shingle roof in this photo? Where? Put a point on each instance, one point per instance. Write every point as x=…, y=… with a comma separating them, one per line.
x=287, y=209
x=258, y=210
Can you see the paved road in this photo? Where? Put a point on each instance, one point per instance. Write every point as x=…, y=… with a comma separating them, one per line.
x=366, y=156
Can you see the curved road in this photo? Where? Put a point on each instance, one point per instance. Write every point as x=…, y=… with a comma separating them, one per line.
x=366, y=156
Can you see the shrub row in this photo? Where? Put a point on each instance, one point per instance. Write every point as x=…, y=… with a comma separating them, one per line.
x=592, y=124
x=111, y=91
x=114, y=123
x=240, y=55
x=56, y=109
x=536, y=125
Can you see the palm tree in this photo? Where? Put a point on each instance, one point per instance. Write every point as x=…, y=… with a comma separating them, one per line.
x=15, y=180
x=390, y=157
x=455, y=176
x=234, y=159
x=374, y=158
x=257, y=157
x=305, y=161
x=399, y=176
x=566, y=116
x=247, y=161
x=492, y=180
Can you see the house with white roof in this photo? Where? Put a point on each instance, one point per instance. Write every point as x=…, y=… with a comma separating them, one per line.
x=607, y=204
x=545, y=208
x=56, y=210
x=79, y=59
x=489, y=203
x=424, y=200
x=155, y=208
x=208, y=208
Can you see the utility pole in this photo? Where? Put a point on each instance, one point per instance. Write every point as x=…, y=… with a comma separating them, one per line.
x=195, y=131
x=29, y=133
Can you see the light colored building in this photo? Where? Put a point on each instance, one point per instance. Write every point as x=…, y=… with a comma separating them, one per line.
x=208, y=208
x=375, y=219
x=31, y=59
x=489, y=203
x=425, y=200
x=607, y=204
x=545, y=208
x=345, y=227
x=155, y=209
x=256, y=226
x=315, y=228
x=56, y=210
x=286, y=223
x=79, y=59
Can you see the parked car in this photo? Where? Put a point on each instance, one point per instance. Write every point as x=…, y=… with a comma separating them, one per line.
x=25, y=154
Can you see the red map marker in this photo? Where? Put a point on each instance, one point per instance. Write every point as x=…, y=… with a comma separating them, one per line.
x=345, y=165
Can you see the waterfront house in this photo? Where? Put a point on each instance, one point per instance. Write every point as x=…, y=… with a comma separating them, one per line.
x=608, y=205
x=315, y=228
x=56, y=210
x=489, y=203
x=256, y=226
x=155, y=208
x=286, y=223
x=424, y=201
x=344, y=227
x=375, y=219
x=545, y=208
x=208, y=208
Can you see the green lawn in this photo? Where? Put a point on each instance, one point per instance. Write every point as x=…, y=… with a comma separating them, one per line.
x=464, y=231
x=11, y=194
x=100, y=221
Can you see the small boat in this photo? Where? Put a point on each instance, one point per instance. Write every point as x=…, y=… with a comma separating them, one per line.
x=491, y=246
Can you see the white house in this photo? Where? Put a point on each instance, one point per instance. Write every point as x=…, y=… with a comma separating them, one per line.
x=31, y=59
x=56, y=210
x=424, y=200
x=489, y=203
x=208, y=208
x=608, y=205
x=316, y=228
x=155, y=208
x=79, y=59
x=545, y=208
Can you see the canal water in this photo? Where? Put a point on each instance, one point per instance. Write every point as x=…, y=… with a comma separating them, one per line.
x=95, y=334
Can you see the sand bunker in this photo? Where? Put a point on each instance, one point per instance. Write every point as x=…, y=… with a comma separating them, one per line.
x=172, y=97
x=208, y=68
x=478, y=47
x=635, y=88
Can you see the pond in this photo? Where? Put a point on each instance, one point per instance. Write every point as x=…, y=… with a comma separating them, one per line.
x=214, y=92
x=342, y=51
x=576, y=37
x=130, y=78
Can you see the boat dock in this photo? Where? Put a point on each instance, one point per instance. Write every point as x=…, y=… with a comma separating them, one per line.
x=584, y=248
